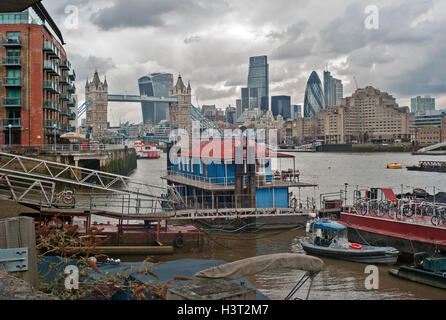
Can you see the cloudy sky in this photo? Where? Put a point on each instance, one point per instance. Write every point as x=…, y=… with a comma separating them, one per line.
x=210, y=42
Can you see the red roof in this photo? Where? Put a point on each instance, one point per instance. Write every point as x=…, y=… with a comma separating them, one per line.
x=224, y=149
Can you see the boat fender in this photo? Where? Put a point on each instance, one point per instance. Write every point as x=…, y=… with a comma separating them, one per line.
x=308, y=227
x=355, y=246
x=179, y=241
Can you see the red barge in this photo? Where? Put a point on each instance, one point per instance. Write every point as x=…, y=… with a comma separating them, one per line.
x=407, y=234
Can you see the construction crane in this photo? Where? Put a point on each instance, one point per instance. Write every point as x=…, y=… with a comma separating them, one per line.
x=83, y=108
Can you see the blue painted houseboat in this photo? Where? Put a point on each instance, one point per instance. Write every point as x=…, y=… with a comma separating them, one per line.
x=236, y=174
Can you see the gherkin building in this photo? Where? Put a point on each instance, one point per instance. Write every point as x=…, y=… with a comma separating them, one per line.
x=314, y=96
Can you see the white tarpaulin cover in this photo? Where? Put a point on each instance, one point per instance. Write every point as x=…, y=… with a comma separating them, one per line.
x=250, y=266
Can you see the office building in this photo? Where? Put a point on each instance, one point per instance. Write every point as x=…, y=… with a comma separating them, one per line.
x=37, y=81
x=314, y=96
x=281, y=105
x=333, y=90
x=422, y=105
x=256, y=94
x=155, y=85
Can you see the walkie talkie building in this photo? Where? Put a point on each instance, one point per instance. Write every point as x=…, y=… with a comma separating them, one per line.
x=155, y=85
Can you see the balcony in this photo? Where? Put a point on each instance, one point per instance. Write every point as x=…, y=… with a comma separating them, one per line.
x=72, y=116
x=64, y=81
x=72, y=75
x=52, y=49
x=65, y=96
x=65, y=65
x=71, y=88
x=65, y=112
x=72, y=102
x=51, y=124
x=11, y=61
x=11, y=82
x=11, y=42
x=51, y=105
x=51, y=86
x=12, y=122
x=12, y=102
x=51, y=67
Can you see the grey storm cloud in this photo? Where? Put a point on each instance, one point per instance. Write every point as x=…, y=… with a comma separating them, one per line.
x=210, y=43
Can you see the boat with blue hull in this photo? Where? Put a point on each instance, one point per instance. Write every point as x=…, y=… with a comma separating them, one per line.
x=329, y=239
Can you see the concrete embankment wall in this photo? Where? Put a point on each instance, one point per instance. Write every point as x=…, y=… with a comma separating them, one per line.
x=363, y=148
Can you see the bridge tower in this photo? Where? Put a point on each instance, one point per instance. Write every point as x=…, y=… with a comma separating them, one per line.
x=97, y=92
x=180, y=113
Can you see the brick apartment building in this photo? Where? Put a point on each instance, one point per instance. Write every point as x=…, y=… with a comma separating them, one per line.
x=37, y=82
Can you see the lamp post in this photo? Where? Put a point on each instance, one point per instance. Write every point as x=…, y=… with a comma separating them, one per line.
x=345, y=193
x=9, y=126
x=55, y=126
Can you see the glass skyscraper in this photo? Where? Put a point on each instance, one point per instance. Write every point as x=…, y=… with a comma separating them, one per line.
x=155, y=85
x=421, y=105
x=256, y=95
x=281, y=105
x=333, y=90
x=314, y=96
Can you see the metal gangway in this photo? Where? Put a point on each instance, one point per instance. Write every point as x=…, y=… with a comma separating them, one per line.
x=433, y=147
x=308, y=147
x=33, y=182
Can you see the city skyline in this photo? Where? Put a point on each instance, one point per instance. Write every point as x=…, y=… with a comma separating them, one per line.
x=403, y=57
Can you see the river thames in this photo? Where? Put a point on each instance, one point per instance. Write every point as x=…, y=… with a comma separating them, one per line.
x=330, y=171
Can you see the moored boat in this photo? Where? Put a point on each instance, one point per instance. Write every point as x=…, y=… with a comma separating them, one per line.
x=327, y=238
x=426, y=270
x=394, y=166
x=146, y=151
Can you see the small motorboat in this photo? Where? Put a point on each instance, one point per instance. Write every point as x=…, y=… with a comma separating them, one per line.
x=394, y=166
x=329, y=239
x=426, y=270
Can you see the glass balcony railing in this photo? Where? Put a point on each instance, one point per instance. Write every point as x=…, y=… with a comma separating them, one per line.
x=11, y=82
x=51, y=67
x=51, y=86
x=65, y=64
x=11, y=42
x=72, y=75
x=51, y=105
x=51, y=124
x=71, y=88
x=64, y=81
x=65, y=96
x=52, y=49
x=11, y=123
x=11, y=61
x=11, y=102
x=72, y=102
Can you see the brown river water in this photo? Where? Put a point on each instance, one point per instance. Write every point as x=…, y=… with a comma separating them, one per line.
x=339, y=279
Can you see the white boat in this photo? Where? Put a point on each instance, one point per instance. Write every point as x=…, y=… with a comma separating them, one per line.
x=146, y=151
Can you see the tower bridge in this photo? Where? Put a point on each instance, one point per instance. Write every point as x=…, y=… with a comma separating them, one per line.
x=181, y=110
